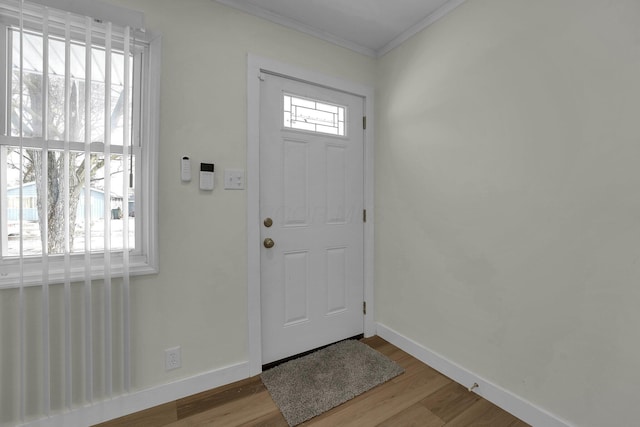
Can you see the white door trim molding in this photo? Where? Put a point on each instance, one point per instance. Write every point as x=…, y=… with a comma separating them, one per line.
x=255, y=65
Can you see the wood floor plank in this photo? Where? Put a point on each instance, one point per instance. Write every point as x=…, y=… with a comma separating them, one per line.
x=385, y=348
x=471, y=414
x=395, y=354
x=235, y=413
x=484, y=414
x=273, y=419
x=450, y=401
x=414, y=416
x=411, y=367
x=496, y=417
x=210, y=399
x=374, y=341
x=152, y=417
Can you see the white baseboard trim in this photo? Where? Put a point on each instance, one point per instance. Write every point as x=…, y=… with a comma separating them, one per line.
x=506, y=400
x=140, y=400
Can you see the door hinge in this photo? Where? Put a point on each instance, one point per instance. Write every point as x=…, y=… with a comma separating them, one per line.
x=364, y=122
x=364, y=307
x=364, y=215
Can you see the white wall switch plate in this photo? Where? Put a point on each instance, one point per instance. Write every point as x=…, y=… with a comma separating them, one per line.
x=234, y=179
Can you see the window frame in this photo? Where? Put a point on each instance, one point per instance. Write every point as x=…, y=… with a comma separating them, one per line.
x=145, y=141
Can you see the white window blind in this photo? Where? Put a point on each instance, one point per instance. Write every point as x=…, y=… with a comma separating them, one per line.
x=78, y=143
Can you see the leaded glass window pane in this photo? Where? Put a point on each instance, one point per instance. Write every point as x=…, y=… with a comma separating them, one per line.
x=314, y=115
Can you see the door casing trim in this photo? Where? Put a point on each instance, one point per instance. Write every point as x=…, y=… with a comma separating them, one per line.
x=255, y=66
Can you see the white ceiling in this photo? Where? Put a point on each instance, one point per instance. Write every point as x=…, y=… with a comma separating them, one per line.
x=372, y=27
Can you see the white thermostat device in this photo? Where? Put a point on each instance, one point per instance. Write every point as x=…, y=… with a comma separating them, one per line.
x=206, y=176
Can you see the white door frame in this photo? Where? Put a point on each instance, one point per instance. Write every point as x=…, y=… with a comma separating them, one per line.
x=256, y=65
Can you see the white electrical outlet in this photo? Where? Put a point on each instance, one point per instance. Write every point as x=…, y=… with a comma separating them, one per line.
x=172, y=358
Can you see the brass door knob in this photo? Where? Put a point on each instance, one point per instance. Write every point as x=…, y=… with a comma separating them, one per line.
x=269, y=243
x=268, y=222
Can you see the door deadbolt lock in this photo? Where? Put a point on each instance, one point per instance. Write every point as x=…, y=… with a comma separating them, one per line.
x=268, y=222
x=269, y=243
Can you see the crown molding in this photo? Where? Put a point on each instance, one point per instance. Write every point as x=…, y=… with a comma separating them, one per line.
x=312, y=31
x=415, y=29
x=298, y=26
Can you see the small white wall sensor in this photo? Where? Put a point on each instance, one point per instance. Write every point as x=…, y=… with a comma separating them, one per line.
x=185, y=169
x=206, y=176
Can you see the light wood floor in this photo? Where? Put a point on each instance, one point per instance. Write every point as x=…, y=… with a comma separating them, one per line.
x=419, y=397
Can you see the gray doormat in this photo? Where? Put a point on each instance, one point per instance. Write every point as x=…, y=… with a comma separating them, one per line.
x=306, y=387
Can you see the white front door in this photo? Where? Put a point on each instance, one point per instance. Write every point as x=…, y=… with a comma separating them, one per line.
x=311, y=208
